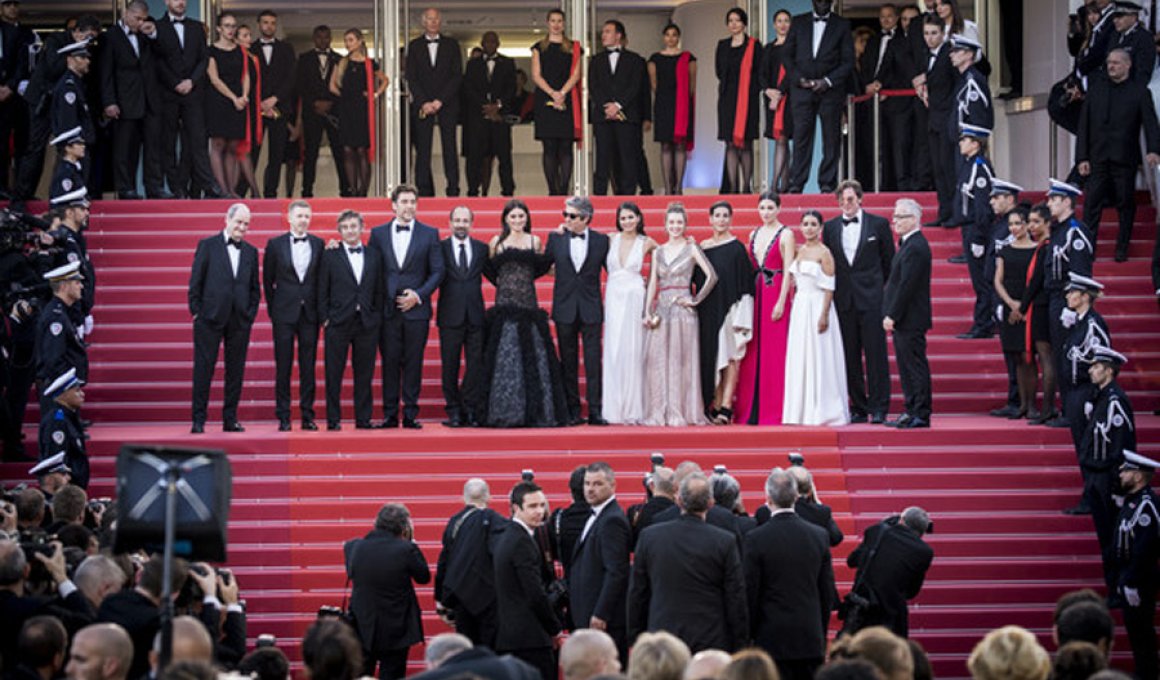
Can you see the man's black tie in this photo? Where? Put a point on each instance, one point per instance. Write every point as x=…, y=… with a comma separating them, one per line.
x=236, y=244
x=354, y=251
x=400, y=228
x=463, y=256
x=299, y=239
x=849, y=220
x=575, y=235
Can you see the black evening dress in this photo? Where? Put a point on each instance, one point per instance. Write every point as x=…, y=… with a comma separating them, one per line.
x=555, y=68
x=353, y=130
x=665, y=102
x=771, y=76
x=222, y=120
x=728, y=66
x=723, y=309
x=1013, y=336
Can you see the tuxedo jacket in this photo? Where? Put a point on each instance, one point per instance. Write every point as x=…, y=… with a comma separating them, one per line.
x=464, y=575
x=622, y=87
x=287, y=298
x=311, y=82
x=940, y=84
x=576, y=294
x=835, y=58
x=441, y=81
x=598, y=583
x=422, y=268
x=383, y=569
x=789, y=576
x=894, y=71
x=818, y=514
x=341, y=298
x=176, y=62
x=907, y=295
x=461, y=292
x=127, y=76
x=478, y=89
x=524, y=617
x=859, y=283
x=278, y=75
x=214, y=292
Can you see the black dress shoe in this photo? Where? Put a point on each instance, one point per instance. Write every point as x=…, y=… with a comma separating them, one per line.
x=388, y=424
x=575, y=420
x=878, y=419
x=198, y=428
x=453, y=421
x=128, y=196
x=161, y=195
x=597, y=420
x=914, y=424
x=215, y=192
x=1005, y=412
x=364, y=425
x=284, y=426
x=858, y=418
x=1081, y=509
x=900, y=422
x=412, y=424
x=1121, y=255
x=975, y=334
x=233, y=427
x=309, y=425
x=333, y=427
x=1058, y=421
x=957, y=259
x=472, y=421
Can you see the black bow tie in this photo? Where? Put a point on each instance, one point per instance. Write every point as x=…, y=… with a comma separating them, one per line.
x=236, y=244
x=355, y=251
x=888, y=34
x=580, y=236
x=177, y=20
x=849, y=220
x=267, y=42
x=322, y=52
x=299, y=239
x=613, y=50
x=822, y=19
x=399, y=228
x=432, y=41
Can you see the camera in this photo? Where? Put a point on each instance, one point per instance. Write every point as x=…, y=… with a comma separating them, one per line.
x=266, y=640
x=657, y=459
x=796, y=459
x=528, y=475
x=328, y=611
x=720, y=470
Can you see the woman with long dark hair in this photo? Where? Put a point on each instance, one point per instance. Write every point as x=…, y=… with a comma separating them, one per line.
x=623, y=364
x=357, y=81
x=738, y=65
x=673, y=75
x=778, y=120
x=246, y=155
x=556, y=74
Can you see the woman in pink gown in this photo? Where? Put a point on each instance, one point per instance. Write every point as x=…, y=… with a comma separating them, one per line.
x=761, y=387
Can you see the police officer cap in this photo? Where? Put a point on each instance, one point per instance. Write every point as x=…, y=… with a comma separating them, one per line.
x=1002, y=186
x=1134, y=461
x=50, y=465
x=1107, y=355
x=1084, y=283
x=65, y=272
x=962, y=42
x=974, y=131
x=1123, y=7
x=77, y=49
x=1060, y=188
x=73, y=136
x=65, y=382
x=78, y=196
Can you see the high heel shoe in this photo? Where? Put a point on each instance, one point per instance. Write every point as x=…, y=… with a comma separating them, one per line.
x=1044, y=418
x=1018, y=415
x=724, y=416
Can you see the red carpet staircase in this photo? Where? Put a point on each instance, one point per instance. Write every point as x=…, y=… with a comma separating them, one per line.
x=1004, y=552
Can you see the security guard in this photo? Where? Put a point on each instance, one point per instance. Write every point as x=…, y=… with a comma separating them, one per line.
x=1086, y=330
x=74, y=248
x=59, y=344
x=1004, y=197
x=52, y=474
x=1136, y=551
x=69, y=107
x=69, y=172
x=975, y=177
x=60, y=426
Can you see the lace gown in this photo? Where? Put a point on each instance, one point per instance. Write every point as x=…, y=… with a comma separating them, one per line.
x=623, y=368
x=815, y=365
x=523, y=386
x=672, y=385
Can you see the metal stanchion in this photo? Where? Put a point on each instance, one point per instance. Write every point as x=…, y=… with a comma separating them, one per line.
x=1053, y=149
x=877, y=144
x=850, y=141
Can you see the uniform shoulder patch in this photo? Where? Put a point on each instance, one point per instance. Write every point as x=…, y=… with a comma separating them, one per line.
x=73, y=257
x=66, y=184
x=981, y=182
x=56, y=328
x=58, y=436
x=1145, y=519
x=70, y=97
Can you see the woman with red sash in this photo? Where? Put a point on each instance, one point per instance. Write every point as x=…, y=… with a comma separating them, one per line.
x=778, y=121
x=357, y=81
x=673, y=75
x=246, y=154
x=226, y=101
x=1033, y=309
x=738, y=100
x=1012, y=273
x=557, y=116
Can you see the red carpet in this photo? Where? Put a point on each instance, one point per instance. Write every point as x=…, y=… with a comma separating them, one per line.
x=995, y=488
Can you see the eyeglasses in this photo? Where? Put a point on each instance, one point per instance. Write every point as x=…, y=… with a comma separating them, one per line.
x=571, y=215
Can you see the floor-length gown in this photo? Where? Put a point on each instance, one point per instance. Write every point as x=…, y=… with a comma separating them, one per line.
x=727, y=308
x=523, y=385
x=761, y=386
x=815, y=365
x=672, y=385
x=623, y=365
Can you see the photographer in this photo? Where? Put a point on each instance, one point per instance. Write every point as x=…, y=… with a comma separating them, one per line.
x=16, y=606
x=138, y=610
x=212, y=596
x=892, y=561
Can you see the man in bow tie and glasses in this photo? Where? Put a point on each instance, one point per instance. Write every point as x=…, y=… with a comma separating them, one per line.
x=434, y=72
x=223, y=299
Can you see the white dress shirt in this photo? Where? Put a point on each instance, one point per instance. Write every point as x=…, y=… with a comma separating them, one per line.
x=433, y=48
x=886, y=37
x=613, y=59
x=596, y=510
x=267, y=50
x=851, y=234
x=401, y=241
x=531, y=532
x=819, y=31
x=578, y=247
x=132, y=38
x=179, y=28
x=300, y=256
x=234, y=253
x=907, y=235
x=356, y=260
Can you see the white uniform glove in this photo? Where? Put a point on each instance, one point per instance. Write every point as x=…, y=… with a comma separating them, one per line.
x=977, y=250
x=88, y=324
x=1132, y=595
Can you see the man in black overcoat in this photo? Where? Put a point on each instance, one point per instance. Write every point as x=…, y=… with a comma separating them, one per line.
x=892, y=562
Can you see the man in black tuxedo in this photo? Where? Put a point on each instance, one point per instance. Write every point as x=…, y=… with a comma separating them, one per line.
x=290, y=281
x=350, y=301
x=819, y=58
x=906, y=311
x=312, y=82
x=577, y=309
x=223, y=299
x=181, y=72
x=460, y=320
x=934, y=80
x=614, y=83
x=434, y=72
x=789, y=579
x=128, y=73
x=807, y=506
x=464, y=576
x=489, y=90
x=863, y=248
x=15, y=39
x=892, y=561
x=886, y=64
x=383, y=567
x=599, y=580
x=276, y=100
x=412, y=267
x=687, y=578
x=525, y=622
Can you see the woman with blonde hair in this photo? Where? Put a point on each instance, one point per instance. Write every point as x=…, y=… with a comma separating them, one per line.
x=357, y=81
x=658, y=656
x=1009, y=653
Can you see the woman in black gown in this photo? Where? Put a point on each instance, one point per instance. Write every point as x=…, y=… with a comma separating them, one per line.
x=523, y=385
x=226, y=101
x=673, y=75
x=555, y=73
x=350, y=83
x=778, y=120
x=738, y=65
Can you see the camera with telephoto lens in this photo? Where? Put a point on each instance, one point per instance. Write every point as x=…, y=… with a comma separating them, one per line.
x=796, y=459
x=528, y=475
x=266, y=640
x=37, y=542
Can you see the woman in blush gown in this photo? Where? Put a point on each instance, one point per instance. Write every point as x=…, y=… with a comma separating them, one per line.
x=672, y=368
x=815, y=366
x=623, y=364
x=523, y=386
x=761, y=387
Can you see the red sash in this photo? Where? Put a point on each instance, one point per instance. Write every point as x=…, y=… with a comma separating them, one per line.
x=253, y=137
x=370, y=108
x=1028, y=344
x=577, y=115
x=779, y=113
x=742, y=110
x=685, y=104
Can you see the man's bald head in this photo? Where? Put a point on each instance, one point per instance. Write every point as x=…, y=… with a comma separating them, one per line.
x=102, y=651
x=707, y=664
x=664, y=482
x=191, y=641
x=588, y=653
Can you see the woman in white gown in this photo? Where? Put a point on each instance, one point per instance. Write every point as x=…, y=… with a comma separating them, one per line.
x=623, y=365
x=815, y=367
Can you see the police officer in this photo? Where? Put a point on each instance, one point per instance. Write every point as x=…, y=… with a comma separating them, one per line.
x=975, y=218
x=1136, y=551
x=69, y=172
x=1110, y=430
x=70, y=238
x=1135, y=39
x=1004, y=197
x=69, y=107
x=59, y=343
x=61, y=432
x=52, y=474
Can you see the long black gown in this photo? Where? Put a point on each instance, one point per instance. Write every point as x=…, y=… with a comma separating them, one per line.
x=735, y=277
x=1013, y=336
x=523, y=385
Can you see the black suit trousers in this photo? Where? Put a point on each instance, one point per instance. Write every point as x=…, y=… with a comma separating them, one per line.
x=921, y=172
x=277, y=138
x=1111, y=185
x=13, y=125
x=31, y=165
x=913, y=371
x=313, y=125
x=897, y=127
x=798, y=669
x=862, y=334
x=807, y=109
x=128, y=136
x=568, y=335
x=207, y=339
x=360, y=343
x=1058, y=335
x=1098, y=486
x=185, y=118
x=391, y=664
x=401, y=344
x=619, y=144
x=480, y=629
x=423, y=131
x=285, y=335
x=491, y=139
x=984, y=287
x=454, y=342
x=1139, y=622
x=942, y=153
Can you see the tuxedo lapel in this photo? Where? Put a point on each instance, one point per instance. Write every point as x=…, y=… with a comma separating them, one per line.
x=413, y=245
x=389, y=244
